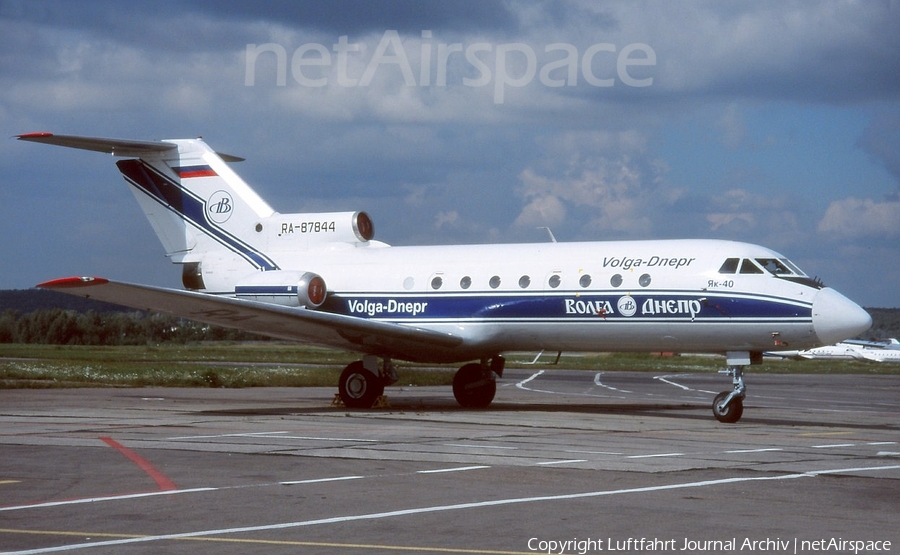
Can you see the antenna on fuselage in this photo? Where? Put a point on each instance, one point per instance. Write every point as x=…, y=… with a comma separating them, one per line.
x=550, y=233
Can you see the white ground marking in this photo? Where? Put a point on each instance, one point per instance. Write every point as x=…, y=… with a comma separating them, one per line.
x=599, y=383
x=443, y=508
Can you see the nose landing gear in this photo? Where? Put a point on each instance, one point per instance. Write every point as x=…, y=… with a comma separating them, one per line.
x=728, y=406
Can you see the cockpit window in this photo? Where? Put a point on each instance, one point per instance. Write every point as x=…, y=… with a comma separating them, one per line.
x=748, y=267
x=730, y=266
x=776, y=267
x=793, y=267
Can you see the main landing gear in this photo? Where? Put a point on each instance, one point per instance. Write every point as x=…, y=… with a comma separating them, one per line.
x=474, y=385
x=728, y=406
x=362, y=382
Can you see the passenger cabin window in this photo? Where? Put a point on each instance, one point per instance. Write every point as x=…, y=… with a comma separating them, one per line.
x=555, y=280
x=730, y=266
x=748, y=267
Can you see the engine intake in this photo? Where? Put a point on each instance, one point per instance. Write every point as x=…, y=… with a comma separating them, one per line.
x=285, y=288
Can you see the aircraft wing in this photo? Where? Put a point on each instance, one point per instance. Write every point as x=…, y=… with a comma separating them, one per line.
x=296, y=324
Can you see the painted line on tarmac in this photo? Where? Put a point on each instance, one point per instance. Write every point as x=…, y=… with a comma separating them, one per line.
x=599, y=383
x=162, y=481
x=104, y=498
x=249, y=541
x=445, y=508
x=665, y=379
x=522, y=385
x=570, y=461
x=276, y=435
x=657, y=455
x=473, y=446
x=318, y=480
x=457, y=469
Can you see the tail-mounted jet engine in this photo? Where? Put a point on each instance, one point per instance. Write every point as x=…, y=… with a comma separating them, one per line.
x=316, y=229
x=285, y=288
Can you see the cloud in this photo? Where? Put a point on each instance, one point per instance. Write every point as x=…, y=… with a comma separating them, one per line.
x=690, y=155
x=602, y=180
x=881, y=140
x=543, y=209
x=773, y=220
x=853, y=219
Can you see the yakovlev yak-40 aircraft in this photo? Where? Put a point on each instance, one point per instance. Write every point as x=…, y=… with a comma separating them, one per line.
x=322, y=279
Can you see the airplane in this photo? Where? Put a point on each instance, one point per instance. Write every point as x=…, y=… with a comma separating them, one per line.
x=872, y=351
x=322, y=278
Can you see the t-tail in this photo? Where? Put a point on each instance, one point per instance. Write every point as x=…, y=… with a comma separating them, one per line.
x=208, y=219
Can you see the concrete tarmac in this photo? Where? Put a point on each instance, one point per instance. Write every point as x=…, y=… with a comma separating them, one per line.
x=563, y=462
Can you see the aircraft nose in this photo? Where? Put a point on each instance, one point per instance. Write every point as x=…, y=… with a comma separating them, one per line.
x=836, y=318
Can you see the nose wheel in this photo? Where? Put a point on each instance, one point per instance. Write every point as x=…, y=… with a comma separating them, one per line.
x=728, y=406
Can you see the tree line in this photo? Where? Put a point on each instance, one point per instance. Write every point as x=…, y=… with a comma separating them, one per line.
x=58, y=326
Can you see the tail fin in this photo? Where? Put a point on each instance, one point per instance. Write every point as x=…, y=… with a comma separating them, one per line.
x=197, y=204
x=199, y=207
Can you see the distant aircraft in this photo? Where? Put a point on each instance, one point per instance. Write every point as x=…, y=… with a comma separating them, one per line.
x=872, y=351
x=321, y=278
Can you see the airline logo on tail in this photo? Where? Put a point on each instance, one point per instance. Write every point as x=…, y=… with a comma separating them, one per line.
x=219, y=207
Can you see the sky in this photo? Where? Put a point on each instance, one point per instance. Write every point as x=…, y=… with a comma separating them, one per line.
x=771, y=122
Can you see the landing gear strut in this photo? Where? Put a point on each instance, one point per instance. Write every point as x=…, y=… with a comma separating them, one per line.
x=475, y=385
x=728, y=406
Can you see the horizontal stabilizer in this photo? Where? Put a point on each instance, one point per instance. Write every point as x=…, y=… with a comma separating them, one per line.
x=116, y=147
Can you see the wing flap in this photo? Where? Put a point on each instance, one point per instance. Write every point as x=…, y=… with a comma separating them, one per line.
x=295, y=324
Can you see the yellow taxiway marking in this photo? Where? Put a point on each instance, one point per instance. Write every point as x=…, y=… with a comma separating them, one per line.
x=9, y=482
x=395, y=548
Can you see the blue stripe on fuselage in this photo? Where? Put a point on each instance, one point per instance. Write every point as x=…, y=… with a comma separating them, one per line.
x=189, y=207
x=674, y=306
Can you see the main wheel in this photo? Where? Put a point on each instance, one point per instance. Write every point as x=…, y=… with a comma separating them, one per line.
x=472, y=387
x=358, y=387
x=730, y=414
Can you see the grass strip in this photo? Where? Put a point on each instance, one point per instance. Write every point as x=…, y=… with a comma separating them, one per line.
x=271, y=364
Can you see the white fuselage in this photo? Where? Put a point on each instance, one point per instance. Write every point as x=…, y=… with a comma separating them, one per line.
x=601, y=296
